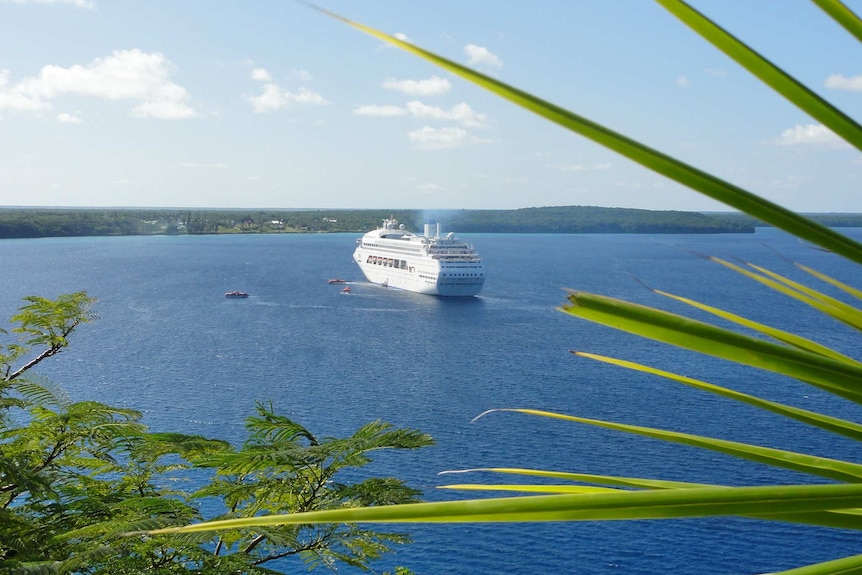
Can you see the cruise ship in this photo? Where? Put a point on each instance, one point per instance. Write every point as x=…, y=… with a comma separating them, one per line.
x=430, y=264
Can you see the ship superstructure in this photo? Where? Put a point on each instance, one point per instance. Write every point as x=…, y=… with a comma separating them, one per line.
x=430, y=263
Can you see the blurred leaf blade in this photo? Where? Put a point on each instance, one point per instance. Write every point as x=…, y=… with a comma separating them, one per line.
x=818, y=466
x=637, y=482
x=843, y=15
x=768, y=73
x=773, y=501
x=777, y=334
x=826, y=304
x=668, y=166
x=832, y=281
x=829, y=423
x=845, y=566
x=841, y=378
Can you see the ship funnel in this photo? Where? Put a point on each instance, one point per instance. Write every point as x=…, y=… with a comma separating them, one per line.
x=432, y=229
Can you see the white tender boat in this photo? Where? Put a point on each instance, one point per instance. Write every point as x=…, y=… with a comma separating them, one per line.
x=429, y=264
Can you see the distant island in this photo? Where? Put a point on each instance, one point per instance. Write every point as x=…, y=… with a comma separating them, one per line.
x=70, y=222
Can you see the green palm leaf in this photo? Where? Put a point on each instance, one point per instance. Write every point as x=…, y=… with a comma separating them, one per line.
x=845, y=566
x=676, y=170
x=833, y=424
x=843, y=15
x=773, y=501
x=801, y=462
x=637, y=482
x=829, y=305
x=767, y=72
x=841, y=378
x=832, y=281
x=780, y=335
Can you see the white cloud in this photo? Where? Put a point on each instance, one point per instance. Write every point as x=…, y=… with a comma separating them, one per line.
x=580, y=167
x=198, y=165
x=428, y=187
x=400, y=36
x=274, y=98
x=302, y=75
x=716, y=72
x=86, y=4
x=839, y=82
x=429, y=138
x=126, y=75
x=810, y=134
x=433, y=86
x=460, y=113
x=373, y=110
x=682, y=81
x=479, y=55
x=260, y=75
x=69, y=118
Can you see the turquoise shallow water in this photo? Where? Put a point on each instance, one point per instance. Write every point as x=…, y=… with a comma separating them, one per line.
x=169, y=344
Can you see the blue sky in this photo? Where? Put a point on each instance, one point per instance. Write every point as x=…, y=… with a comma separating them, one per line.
x=270, y=104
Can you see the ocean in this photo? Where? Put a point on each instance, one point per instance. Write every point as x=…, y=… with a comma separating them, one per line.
x=169, y=344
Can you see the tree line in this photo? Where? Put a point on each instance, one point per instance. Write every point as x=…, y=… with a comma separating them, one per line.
x=69, y=222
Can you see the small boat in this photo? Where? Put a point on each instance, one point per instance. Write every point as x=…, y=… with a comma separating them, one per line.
x=346, y=289
x=236, y=294
x=337, y=281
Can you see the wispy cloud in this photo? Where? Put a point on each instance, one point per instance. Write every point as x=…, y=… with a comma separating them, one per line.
x=435, y=139
x=69, y=118
x=839, y=82
x=85, y=4
x=428, y=138
x=461, y=113
x=385, y=110
x=580, y=167
x=681, y=81
x=260, y=75
x=810, y=135
x=125, y=75
x=478, y=55
x=203, y=166
x=433, y=86
x=400, y=35
x=275, y=98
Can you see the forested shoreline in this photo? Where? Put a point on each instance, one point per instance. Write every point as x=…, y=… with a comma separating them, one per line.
x=71, y=222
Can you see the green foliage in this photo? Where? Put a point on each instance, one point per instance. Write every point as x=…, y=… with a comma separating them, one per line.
x=284, y=468
x=661, y=163
x=45, y=325
x=564, y=219
x=835, y=495
x=77, y=476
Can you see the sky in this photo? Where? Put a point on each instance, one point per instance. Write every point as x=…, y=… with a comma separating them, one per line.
x=272, y=104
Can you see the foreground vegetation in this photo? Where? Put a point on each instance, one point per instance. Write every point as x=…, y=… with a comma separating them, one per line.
x=38, y=222
x=76, y=475
x=830, y=495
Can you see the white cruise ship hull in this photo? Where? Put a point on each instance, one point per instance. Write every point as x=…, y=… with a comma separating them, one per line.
x=429, y=264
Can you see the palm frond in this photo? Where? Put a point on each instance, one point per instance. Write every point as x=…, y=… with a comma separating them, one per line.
x=829, y=423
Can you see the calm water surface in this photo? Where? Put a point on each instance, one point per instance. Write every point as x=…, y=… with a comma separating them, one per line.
x=169, y=344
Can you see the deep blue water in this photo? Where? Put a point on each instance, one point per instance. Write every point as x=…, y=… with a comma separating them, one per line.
x=169, y=344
